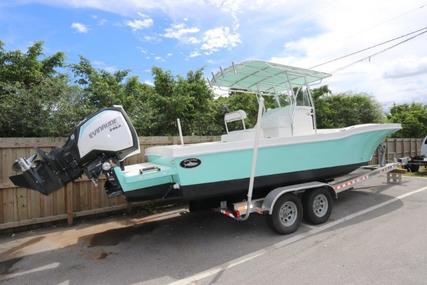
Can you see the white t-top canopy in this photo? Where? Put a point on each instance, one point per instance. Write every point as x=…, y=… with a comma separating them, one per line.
x=265, y=77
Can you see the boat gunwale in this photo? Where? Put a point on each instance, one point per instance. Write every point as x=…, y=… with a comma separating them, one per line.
x=179, y=151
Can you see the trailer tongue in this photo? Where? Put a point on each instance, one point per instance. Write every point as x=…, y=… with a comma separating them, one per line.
x=100, y=140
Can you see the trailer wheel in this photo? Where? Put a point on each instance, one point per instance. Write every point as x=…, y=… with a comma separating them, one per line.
x=413, y=167
x=287, y=214
x=317, y=205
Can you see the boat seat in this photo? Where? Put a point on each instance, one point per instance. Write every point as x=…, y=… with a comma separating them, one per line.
x=237, y=135
x=274, y=123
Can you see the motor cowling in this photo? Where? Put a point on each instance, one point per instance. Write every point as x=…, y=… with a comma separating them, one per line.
x=102, y=139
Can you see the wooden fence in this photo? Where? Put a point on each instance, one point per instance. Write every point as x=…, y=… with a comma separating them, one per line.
x=399, y=147
x=20, y=206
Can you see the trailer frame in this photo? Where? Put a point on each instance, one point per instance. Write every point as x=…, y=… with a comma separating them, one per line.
x=268, y=205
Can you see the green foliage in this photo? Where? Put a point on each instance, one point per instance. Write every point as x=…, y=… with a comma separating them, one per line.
x=345, y=109
x=42, y=96
x=241, y=101
x=99, y=87
x=37, y=100
x=26, y=68
x=413, y=118
x=188, y=99
x=31, y=91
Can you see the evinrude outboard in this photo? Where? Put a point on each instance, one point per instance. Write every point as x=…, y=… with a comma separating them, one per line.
x=100, y=141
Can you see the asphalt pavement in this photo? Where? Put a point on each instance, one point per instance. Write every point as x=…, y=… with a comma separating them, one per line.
x=377, y=234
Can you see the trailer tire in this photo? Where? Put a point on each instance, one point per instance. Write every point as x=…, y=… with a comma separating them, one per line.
x=317, y=205
x=287, y=214
x=413, y=167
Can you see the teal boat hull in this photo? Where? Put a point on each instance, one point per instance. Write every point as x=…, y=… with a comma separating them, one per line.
x=227, y=173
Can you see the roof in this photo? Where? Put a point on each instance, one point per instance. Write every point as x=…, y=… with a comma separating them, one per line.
x=265, y=77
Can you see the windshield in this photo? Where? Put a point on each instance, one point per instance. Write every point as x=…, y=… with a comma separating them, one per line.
x=282, y=101
x=303, y=98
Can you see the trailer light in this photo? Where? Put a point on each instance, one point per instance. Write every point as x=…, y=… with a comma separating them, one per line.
x=106, y=166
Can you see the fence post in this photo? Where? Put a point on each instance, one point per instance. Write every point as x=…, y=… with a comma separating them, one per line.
x=69, y=202
x=395, y=149
x=387, y=152
x=416, y=147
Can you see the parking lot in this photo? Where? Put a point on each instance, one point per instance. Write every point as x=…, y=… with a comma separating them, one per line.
x=377, y=234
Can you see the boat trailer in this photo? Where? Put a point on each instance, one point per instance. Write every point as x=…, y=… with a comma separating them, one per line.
x=285, y=206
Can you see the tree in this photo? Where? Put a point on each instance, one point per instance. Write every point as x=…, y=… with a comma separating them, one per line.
x=42, y=96
x=30, y=91
x=152, y=109
x=27, y=68
x=333, y=111
x=187, y=98
x=345, y=109
x=247, y=102
x=238, y=101
x=413, y=118
x=101, y=88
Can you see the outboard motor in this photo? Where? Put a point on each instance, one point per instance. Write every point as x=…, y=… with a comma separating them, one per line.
x=104, y=138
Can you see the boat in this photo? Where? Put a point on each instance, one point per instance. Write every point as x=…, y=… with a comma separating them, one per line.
x=284, y=147
x=290, y=148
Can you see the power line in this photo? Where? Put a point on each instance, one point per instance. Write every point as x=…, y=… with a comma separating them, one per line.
x=370, y=47
x=379, y=52
x=389, y=20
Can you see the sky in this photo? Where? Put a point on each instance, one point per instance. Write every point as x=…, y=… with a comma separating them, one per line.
x=187, y=35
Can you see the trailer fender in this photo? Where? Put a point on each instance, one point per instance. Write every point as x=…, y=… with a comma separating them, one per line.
x=273, y=196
